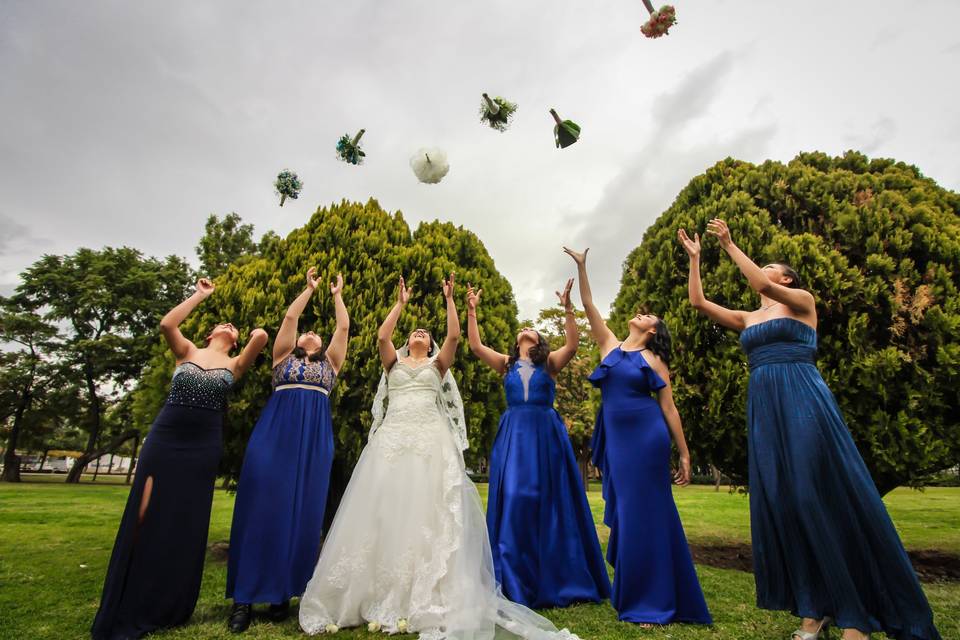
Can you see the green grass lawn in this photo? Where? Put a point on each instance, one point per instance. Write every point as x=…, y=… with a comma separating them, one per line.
x=55, y=542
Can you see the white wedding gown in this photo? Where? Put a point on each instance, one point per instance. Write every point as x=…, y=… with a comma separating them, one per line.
x=409, y=542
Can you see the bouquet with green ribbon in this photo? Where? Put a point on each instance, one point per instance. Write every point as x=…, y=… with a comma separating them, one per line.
x=565, y=132
x=348, y=149
x=497, y=112
x=288, y=185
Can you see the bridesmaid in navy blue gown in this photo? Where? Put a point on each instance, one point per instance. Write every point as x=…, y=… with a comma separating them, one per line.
x=654, y=581
x=155, y=571
x=824, y=546
x=545, y=547
x=282, y=493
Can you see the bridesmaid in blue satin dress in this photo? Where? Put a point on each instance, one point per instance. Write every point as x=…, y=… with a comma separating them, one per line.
x=282, y=492
x=654, y=581
x=156, y=568
x=545, y=547
x=824, y=546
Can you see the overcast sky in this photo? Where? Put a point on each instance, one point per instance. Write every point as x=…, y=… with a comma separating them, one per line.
x=127, y=123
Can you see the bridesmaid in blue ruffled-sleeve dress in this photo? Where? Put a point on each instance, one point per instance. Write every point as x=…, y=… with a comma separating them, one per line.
x=824, y=546
x=282, y=492
x=654, y=581
x=545, y=547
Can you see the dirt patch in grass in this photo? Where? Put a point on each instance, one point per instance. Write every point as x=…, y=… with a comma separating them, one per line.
x=930, y=565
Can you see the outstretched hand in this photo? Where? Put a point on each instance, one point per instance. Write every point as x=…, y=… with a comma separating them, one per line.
x=473, y=297
x=719, y=228
x=205, y=287
x=312, y=280
x=448, y=286
x=336, y=288
x=692, y=247
x=403, y=293
x=580, y=258
x=565, y=296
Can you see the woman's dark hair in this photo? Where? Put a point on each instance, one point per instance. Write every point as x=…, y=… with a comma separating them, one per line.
x=538, y=353
x=790, y=273
x=317, y=356
x=661, y=341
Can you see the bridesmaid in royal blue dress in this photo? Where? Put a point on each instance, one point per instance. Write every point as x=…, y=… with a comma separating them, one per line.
x=545, y=547
x=824, y=546
x=282, y=492
x=156, y=568
x=654, y=581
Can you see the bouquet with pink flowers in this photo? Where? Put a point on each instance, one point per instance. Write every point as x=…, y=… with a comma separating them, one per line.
x=660, y=21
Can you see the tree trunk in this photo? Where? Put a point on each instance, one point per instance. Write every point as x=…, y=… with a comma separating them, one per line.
x=133, y=458
x=96, y=453
x=11, y=461
x=43, y=460
x=76, y=471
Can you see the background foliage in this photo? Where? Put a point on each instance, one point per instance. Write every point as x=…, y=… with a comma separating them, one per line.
x=878, y=244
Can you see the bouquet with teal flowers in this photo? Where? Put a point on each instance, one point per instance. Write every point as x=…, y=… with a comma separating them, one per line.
x=497, y=112
x=348, y=149
x=660, y=20
x=288, y=185
x=565, y=132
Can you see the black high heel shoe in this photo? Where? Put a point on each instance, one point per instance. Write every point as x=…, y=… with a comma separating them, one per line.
x=239, y=617
x=279, y=612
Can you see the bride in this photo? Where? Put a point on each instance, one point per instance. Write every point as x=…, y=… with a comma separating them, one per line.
x=408, y=548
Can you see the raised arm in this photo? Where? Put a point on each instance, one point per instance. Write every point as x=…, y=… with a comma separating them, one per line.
x=490, y=357
x=601, y=333
x=558, y=359
x=337, y=349
x=388, y=352
x=170, y=323
x=730, y=318
x=665, y=399
x=287, y=335
x=248, y=355
x=448, y=351
x=799, y=301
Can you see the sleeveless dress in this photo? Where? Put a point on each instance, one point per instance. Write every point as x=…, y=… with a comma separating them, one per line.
x=408, y=547
x=282, y=492
x=537, y=511
x=153, y=580
x=823, y=543
x=654, y=580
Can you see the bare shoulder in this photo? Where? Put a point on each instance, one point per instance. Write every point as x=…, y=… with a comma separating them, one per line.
x=657, y=364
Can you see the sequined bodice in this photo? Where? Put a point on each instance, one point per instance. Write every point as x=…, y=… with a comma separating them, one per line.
x=294, y=370
x=194, y=386
x=529, y=384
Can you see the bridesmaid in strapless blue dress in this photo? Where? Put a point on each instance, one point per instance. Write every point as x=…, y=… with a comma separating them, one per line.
x=824, y=546
x=282, y=492
x=654, y=580
x=544, y=542
x=153, y=580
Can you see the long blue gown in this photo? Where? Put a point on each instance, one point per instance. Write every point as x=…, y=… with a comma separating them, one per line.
x=823, y=543
x=282, y=492
x=654, y=580
x=545, y=547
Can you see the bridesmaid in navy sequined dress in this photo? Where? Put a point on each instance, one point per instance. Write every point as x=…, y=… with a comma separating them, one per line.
x=282, y=494
x=824, y=546
x=154, y=575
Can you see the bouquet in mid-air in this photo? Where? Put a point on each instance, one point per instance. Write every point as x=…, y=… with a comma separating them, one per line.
x=348, y=149
x=660, y=20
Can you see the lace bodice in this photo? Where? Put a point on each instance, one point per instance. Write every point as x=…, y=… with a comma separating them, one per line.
x=529, y=384
x=412, y=394
x=294, y=370
x=194, y=386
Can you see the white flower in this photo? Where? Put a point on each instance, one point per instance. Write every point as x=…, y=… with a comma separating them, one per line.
x=331, y=628
x=429, y=165
x=402, y=625
x=373, y=627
